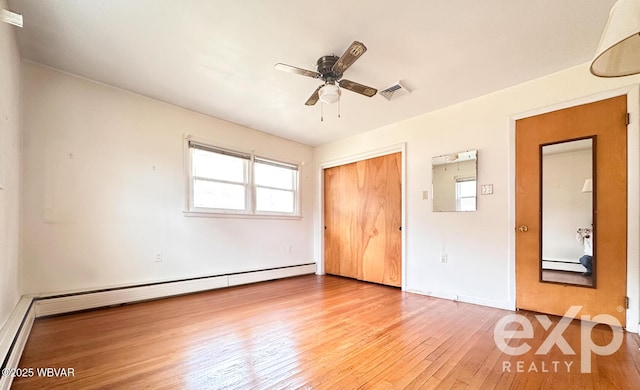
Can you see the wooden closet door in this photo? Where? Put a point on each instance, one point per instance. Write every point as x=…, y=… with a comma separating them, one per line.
x=362, y=214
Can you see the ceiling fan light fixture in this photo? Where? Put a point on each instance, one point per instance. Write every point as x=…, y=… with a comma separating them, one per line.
x=330, y=70
x=329, y=93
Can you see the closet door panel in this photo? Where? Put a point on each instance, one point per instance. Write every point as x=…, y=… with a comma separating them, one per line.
x=363, y=206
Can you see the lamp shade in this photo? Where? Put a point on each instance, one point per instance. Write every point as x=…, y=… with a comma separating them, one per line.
x=329, y=93
x=618, y=53
x=588, y=186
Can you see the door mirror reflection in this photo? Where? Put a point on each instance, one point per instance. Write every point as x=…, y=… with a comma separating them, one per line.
x=567, y=233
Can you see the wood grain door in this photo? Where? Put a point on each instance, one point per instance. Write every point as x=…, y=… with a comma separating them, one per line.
x=362, y=214
x=606, y=120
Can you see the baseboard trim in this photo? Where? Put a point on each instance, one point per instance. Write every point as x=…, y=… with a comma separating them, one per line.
x=71, y=302
x=13, y=337
x=463, y=298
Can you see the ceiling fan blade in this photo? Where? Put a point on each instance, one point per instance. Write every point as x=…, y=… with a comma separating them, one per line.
x=357, y=88
x=300, y=71
x=349, y=57
x=313, y=99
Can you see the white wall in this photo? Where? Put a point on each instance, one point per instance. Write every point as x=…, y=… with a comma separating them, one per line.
x=104, y=189
x=479, y=244
x=9, y=169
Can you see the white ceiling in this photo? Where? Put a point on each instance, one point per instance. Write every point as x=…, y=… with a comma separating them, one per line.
x=217, y=56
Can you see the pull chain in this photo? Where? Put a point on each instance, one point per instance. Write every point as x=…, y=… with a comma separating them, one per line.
x=322, y=111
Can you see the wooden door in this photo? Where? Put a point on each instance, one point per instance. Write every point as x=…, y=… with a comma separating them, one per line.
x=362, y=214
x=606, y=120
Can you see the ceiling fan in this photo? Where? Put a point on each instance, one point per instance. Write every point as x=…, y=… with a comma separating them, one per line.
x=330, y=70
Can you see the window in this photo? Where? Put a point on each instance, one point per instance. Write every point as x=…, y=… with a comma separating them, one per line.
x=276, y=184
x=226, y=181
x=220, y=178
x=465, y=194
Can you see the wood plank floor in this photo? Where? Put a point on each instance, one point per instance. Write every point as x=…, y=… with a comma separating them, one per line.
x=549, y=275
x=320, y=332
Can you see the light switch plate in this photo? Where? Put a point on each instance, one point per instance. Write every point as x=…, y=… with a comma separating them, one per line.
x=486, y=189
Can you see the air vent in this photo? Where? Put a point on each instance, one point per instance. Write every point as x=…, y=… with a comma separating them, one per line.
x=394, y=91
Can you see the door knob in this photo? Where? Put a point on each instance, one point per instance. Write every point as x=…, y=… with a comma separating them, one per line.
x=523, y=228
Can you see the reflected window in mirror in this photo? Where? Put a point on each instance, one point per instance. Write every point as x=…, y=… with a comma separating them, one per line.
x=466, y=194
x=567, y=235
x=454, y=183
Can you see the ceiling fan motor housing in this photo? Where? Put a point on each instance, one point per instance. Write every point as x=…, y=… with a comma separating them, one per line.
x=325, y=65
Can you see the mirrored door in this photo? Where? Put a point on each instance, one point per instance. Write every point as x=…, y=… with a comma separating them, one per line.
x=552, y=211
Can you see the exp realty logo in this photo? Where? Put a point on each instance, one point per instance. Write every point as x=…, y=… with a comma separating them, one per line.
x=501, y=336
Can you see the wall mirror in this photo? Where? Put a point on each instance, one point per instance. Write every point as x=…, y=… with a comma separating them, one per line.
x=567, y=234
x=454, y=185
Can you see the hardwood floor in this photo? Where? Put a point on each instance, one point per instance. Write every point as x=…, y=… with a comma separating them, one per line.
x=549, y=275
x=312, y=331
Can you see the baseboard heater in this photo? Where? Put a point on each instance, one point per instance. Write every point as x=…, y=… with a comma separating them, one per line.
x=14, y=334
x=67, y=303
x=13, y=337
x=562, y=265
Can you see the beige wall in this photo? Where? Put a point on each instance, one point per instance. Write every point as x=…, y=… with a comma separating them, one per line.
x=10, y=138
x=104, y=190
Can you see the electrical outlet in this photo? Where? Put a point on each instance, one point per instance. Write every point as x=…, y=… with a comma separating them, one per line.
x=290, y=248
x=157, y=256
x=425, y=195
x=443, y=257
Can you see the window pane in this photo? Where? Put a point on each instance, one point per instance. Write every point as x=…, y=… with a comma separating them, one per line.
x=218, y=166
x=274, y=200
x=467, y=204
x=272, y=176
x=218, y=195
x=466, y=188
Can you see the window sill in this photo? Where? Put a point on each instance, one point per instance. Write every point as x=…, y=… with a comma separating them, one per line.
x=205, y=214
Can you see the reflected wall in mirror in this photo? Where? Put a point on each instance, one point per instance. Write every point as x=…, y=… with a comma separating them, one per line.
x=567, y=235
x=454, y=181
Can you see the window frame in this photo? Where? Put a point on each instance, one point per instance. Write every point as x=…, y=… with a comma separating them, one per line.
x=223, y=151
x=250, y=210
x=295, y=191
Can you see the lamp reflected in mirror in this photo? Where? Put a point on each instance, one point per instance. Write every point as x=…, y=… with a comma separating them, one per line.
x=567, y=232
